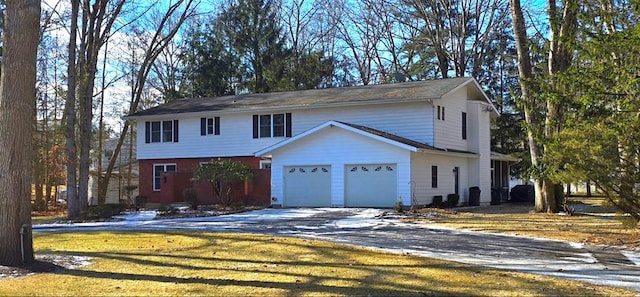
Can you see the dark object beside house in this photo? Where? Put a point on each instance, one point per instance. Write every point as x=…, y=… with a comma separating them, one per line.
x=495, y=196
x=522, y=193
x=139, y=202
x=474, y=196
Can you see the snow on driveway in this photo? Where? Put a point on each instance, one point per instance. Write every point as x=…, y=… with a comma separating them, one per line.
x=364, y=227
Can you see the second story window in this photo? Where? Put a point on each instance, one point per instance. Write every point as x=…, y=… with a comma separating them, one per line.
x=265, y=125
x=161, y=131
x=272, y=125
x=210, y=126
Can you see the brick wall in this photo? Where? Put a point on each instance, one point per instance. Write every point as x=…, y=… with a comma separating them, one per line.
x=253, y=192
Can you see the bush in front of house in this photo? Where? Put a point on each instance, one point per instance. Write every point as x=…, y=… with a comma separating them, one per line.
x=167, y=210
x=190, y=196
x=398, y=207
x=105, y=211
x=222, y=174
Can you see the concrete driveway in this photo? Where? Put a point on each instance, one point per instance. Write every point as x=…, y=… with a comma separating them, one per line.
x=364, y=227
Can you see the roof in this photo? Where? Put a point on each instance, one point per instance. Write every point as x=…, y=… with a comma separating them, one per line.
x=371, y=94
x=502, y=157
x=392, y=139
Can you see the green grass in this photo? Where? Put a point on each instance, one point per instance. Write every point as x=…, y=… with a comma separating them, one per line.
x=222, y=264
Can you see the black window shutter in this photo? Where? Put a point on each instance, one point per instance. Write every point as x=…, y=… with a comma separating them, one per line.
x=287, y=122
x=255, y=126
x=216, y=124
x=175, y=130
x=147, y=132
x=203, y=126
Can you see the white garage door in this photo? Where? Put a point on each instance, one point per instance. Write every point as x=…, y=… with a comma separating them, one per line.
x=371, y=185
x=307, y=186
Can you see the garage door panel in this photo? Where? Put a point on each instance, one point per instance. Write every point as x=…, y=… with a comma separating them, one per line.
x=371, y=185
x=307, y=186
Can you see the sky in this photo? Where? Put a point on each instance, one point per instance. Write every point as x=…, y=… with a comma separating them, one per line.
x=117, y=95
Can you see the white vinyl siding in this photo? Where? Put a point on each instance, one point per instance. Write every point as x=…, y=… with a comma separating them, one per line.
x=447, y=131
x=340, y=147
x=421, y=166
x=413, y=121
x=410, y=120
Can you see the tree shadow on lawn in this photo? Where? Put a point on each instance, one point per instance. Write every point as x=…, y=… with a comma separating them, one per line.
x=375, y=283
x=344, y=274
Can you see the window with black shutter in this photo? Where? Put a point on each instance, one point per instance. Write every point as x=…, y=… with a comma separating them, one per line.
x=272, y=125
x=161, y=131
x=210, y=126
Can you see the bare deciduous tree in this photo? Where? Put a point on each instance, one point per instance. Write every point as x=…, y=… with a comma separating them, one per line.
x=166, y=28
x=17, y=109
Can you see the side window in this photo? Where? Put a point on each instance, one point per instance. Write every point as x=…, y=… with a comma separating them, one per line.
x=464, y=125
x=434, y=176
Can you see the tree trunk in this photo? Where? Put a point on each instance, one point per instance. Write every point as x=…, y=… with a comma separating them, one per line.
x=526, y=86
x=73, y=207
x=17, y=111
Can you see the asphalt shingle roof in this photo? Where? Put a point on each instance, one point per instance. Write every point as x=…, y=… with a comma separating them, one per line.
x=403, y=140
x=387, y=93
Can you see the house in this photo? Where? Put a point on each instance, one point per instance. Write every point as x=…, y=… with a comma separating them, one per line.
x=365, y=146
x=124, y=178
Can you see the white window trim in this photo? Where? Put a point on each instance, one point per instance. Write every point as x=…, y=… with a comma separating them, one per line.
x=284, y=123
x=156, y=189
x=162, y=131
x=265, y=162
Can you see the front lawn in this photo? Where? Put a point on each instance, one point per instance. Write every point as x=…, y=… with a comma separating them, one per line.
x=593, y=223
x=222, y=264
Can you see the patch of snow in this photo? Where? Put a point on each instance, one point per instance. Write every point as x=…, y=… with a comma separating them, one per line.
x=576, y=245
x=66, y=261
x=632, y=256
x=136, y=216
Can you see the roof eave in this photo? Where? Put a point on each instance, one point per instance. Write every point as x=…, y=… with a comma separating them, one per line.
x=277, y=108
x=267, y=151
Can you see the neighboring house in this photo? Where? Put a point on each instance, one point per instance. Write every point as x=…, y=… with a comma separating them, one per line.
x=120, y=180
x=366, y=146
